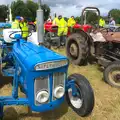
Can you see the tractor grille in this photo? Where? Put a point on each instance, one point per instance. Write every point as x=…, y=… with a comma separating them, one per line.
x=58, y=79
x=41, y=83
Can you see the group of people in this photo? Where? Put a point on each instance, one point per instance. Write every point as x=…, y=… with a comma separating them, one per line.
x=62, y=24
x=102, y=22
x=21, y=23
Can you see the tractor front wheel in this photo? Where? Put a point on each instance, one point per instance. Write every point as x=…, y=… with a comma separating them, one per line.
x=83, y=102
x=112, y=74
x=77, y=49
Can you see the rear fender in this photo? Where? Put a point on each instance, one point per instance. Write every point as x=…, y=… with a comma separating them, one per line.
x=87, y=36
x=89, y=40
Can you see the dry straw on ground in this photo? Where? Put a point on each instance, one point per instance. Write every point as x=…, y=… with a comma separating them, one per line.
x=107, y=100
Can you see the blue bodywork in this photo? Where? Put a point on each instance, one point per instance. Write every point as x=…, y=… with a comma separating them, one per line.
x=28, y=55
x=3, y=26
x=25, y=56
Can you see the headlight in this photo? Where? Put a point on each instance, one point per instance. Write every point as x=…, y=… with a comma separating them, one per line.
x=51, y=65
x=59, y=92
x=42, y=96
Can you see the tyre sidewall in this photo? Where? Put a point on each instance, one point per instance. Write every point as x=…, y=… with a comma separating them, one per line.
x=107, y=70
x=74, y=38
x=88, y=99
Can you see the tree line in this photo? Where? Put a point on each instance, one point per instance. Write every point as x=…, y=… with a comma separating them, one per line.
x=28, y=10
x=92, y=17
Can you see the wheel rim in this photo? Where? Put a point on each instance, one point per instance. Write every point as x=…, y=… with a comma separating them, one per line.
x=114, y=77
x=48, y=36
x=75, y=101
x=74, y=51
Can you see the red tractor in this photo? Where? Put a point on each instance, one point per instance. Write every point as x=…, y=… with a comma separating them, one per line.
x=51, y=30
x=102, y=45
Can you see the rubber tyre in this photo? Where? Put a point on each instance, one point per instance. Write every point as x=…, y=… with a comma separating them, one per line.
x=87, y=95
x=47, y=40
x=111, y=67
x=47, y=35
x=82, y=46
x=47, y=45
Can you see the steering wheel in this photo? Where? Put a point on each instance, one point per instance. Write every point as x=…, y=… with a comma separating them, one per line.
x=105, y=30
x=10, y=36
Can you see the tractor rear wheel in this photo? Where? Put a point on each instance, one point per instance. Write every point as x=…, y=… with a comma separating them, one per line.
x=77, y=48
x=112, y=74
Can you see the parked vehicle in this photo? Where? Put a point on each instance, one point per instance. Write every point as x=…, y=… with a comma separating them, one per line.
x=51, y=31
x=103, y=44
x=41, y=75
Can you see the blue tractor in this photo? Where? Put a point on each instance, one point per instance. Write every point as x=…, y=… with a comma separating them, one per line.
x=42, y=75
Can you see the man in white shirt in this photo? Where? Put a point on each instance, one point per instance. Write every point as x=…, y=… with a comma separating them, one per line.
x=112, y=22
x=49, y=19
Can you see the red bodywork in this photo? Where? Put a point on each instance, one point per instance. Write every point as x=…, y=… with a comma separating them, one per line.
x=31, y=23
x=50, y=28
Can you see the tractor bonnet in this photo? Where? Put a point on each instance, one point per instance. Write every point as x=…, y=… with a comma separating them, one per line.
x=31, y=54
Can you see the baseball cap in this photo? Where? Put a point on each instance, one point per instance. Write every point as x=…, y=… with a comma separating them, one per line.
x=21, y=18
x=18, y=17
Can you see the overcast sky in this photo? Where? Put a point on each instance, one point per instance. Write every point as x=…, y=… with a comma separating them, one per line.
x=74, y=7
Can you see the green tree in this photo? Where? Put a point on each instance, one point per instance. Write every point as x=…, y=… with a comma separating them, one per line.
x=115, y=13
x=18, y=8
x=91, y=18
x=77, y=19
x=32, y=6
x=46, y=11
x=3, y=12
x=28, y=9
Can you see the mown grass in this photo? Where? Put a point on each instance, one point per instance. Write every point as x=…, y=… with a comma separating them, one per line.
x=107, y=100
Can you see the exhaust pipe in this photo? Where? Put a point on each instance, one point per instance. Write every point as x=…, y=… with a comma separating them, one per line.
x=40, y=24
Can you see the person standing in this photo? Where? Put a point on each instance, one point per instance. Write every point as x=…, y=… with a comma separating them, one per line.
x=101, y=22
x=15, y=24
x=49, y=19
x=112, y=22
x=55, y=20
x=71, y=23
x=62, y=30
x=24, y=28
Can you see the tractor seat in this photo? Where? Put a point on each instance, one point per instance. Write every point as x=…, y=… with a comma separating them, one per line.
x=55, y=38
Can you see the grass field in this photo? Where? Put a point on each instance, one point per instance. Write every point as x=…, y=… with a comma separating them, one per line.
x=107, y=100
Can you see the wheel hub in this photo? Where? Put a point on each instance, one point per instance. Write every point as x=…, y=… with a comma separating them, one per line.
x=117, y=78
x=76, y=101
x=74, y=50
x=114, y=77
